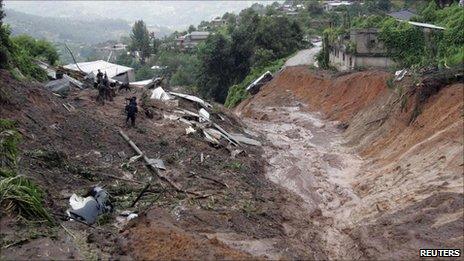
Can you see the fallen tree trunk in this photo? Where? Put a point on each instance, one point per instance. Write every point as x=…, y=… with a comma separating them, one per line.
x=153, y=167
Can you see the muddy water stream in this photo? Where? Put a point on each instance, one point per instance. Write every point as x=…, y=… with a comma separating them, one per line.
x=305, y=155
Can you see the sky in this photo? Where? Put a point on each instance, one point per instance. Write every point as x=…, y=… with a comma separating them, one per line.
x=176, y=15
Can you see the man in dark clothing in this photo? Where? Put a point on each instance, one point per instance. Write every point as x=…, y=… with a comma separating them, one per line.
x=105, y=80
x=99, y=77
x=131, y=110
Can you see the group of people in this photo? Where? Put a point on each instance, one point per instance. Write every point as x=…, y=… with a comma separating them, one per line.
x=106, y=92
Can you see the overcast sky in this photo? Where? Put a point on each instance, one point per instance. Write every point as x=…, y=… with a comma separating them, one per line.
x=172, y=14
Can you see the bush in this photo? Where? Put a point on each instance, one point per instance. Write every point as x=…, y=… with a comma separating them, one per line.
x=15, y=55
x=405, y=43
x=18, y=194
x=144, y=73
x=22, y=197
x=39, y=49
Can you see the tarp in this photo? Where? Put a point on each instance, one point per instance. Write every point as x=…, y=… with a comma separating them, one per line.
x=111, y=69
x=160, y=94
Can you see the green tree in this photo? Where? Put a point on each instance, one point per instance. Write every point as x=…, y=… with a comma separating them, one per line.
x=384, y=5
x=279, y=34
x=314, y=7
x=215, y=68
x=156, y=44
x=140, y=40
x=5, y=43
x=39, y=49
x=2, y=13
x=191, y=29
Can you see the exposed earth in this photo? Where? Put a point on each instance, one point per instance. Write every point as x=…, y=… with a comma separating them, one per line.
x=344, y=172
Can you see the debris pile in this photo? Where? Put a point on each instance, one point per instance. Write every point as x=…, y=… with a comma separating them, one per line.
x=199, y=116
x=86, y=209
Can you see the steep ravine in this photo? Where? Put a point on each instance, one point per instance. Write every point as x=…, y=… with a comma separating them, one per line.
x=385, y=187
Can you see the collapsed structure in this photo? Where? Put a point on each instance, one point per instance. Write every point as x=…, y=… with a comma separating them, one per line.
x=114, y=71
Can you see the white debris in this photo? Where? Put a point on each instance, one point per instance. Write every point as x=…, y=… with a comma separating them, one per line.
x=241, y=138
x=204, y=115
x=141, y=84
x=87, y=209
x=132, y=216
x=160, y=94
x=189, y=130
x=212, y=135
x=399, y=75
x=157, y=163
x=192, y=98
x=134, y=158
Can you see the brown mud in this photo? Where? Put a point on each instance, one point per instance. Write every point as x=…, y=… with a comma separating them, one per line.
x=343, y=173
x=389, y=186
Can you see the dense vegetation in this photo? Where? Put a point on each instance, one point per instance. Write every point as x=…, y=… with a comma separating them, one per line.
x=19, y=53
x=408, y=45
x=18, y=194
x=247, y=44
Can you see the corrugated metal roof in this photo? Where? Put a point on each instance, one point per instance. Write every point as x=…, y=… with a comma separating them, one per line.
x=111, y=69
x=405, y=15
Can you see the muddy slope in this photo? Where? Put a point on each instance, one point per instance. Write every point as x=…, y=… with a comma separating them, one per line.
x=408, y=189
x=67, y=152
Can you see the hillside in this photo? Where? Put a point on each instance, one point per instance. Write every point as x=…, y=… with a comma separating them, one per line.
x=67, y=152
x=65, y=29
x=389, y=179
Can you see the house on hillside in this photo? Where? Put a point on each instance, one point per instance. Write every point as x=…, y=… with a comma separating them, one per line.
x=114, y=71
x=218, y=22
x=330, y=5
x=192, y=39
x=361, y=48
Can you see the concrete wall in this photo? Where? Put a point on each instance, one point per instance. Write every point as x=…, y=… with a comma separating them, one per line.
x=366, y=41
x=343, y=61
x=378, y=62
x=336, y=60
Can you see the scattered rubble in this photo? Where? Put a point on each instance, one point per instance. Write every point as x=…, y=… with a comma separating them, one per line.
x=160, y=94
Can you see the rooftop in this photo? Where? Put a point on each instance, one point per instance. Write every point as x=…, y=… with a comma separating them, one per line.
x=111, y=69
x=405, y=15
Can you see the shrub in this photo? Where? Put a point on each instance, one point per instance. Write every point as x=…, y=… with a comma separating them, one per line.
x=18, y=194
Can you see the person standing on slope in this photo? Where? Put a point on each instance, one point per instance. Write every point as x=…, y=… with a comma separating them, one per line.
x=131, y=110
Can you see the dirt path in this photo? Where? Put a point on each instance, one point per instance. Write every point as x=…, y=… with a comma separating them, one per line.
x=305, y=155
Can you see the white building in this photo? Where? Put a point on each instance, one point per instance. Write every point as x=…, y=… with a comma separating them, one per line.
x=330, y=5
